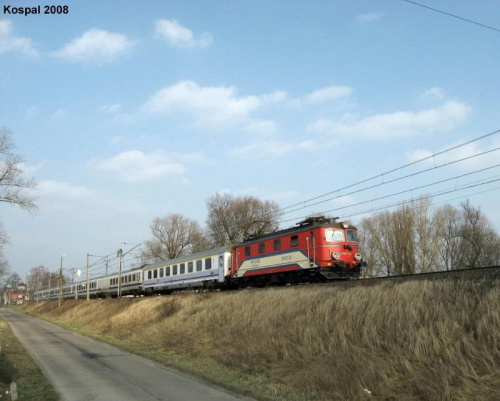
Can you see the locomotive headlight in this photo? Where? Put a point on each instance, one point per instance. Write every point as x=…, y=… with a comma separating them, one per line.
x=336, y=255
x=345, y=224
x=357, y=256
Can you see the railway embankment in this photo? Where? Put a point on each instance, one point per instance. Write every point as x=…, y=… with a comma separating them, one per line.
x=418, y=340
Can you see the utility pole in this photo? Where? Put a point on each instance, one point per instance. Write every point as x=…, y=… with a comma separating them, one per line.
x=60, y=282
x=88, y=277
x=27, y=294
x=120, y=254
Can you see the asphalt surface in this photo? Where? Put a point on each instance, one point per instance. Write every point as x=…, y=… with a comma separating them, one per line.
x=83, y=369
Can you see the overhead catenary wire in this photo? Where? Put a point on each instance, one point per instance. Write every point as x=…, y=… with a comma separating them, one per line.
x=386, y=173
x=411, y=190
x=429, y=196
x=452, y=15
x=398, y=179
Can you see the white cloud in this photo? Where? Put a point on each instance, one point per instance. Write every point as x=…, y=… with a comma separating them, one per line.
x=62, y=190
x=11, y=43
x=329, y=93
x=32, y=169
x=111, y=108
x=396, y=124
x=59, y=114
x=369, y=17
x=136, y=166
x=434, y=93
x=474, y=155
x=211, y=106
x=180, y=36
x=263, y=148
x=274, y=147
x=95, y=46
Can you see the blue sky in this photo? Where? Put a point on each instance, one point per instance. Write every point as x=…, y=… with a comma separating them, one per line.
x=126, y=111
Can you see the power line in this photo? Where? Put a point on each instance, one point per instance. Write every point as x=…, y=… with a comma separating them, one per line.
x=445, y=192
x=411, y=190
x=452, y=15
x=304, y=203
x=398, y=179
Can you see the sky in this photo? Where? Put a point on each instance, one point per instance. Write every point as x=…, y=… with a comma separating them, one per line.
x=124, y=111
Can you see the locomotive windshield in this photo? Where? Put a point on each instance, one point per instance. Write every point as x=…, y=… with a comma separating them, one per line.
x=332, y=235
x=351, y=236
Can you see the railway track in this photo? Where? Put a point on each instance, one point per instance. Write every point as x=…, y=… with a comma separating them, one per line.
x=489, y=273
x=478, y=273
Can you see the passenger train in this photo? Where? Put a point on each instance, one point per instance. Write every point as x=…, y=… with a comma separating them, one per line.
x=317, y=249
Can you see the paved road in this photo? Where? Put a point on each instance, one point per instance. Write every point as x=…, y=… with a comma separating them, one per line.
x=82, y=369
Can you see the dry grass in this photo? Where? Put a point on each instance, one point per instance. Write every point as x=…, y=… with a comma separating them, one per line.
x=17, y=366
x=412, y=341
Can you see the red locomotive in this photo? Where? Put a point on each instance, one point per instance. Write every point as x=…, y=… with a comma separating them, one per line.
x=318, y=249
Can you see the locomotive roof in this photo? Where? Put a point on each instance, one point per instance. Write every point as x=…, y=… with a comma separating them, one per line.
x=307, y=224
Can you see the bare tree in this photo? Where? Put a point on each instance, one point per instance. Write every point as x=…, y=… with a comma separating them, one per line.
x=15, y=189
x=425, y=234
x=479, y=241
x=448, y=221
x=415, y=239
x=232, y=219
x=173, y=236
x=472, y=233
x=40, y=278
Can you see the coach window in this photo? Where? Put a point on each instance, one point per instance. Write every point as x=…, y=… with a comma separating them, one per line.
x=149, y=274
x=277, y=244
x=190, y=267
x=161, y=272
x=174, y=270
x=167, y=273
x=247, y=251
x=208, y=263
x=155, y=274
x=199, y=265
x=262, y=247
x=183, y=268
x=294, y=240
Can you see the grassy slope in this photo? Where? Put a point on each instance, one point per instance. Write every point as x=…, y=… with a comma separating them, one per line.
x=16, y=365
x=412, y=341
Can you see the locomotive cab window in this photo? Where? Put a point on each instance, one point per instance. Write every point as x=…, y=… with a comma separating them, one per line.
x=332, y=235
x=351, y=236
x=294, y=240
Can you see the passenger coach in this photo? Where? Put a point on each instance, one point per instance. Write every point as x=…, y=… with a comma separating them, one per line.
x=204, y=269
